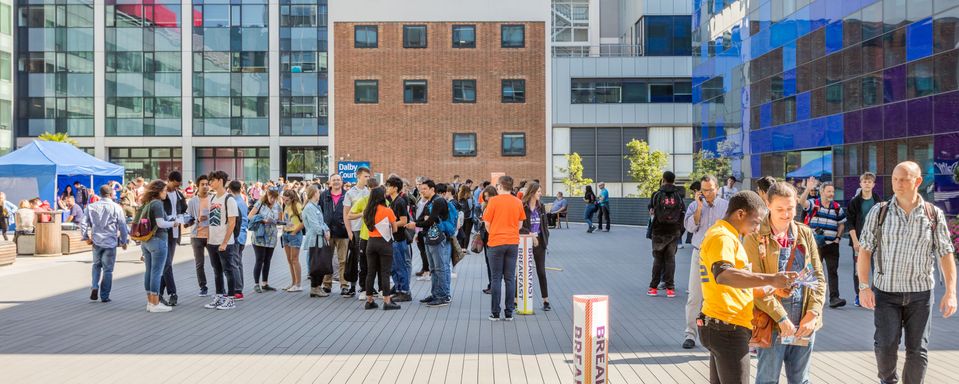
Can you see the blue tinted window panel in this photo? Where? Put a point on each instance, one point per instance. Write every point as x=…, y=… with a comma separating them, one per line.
x=895, y=124
x=816, y=136
x=833, y=37
x=945, y=108
x=834, y=130
x=765, y=115
x=919, y=113
x=894, y=84
x=852, y=127
x=817, y=13
x=803, y=106
x=919, y=39
x=760, y=141
x=789, y=56
x=789, y=83
x=872, y=124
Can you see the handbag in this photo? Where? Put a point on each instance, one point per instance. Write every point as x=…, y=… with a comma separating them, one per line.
x=434, y=236
x=143, y=228
x=321, y=259
x=763, y=324
x=476, y=246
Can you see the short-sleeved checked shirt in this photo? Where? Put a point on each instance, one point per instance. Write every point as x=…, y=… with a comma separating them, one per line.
x=907, y=256
x=828, y=218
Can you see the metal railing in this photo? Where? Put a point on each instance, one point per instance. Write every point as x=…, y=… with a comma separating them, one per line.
x=602, y=50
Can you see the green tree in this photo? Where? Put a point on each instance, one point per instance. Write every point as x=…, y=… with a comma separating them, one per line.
x=574, y=181
x=57, y=137
x=709, y=163
x=645, y=166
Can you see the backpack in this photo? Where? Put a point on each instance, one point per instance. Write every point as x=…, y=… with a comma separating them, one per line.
x=449, y=225
x=143, y=228
x=668, y=208
x=817, y=204
x=931, y=215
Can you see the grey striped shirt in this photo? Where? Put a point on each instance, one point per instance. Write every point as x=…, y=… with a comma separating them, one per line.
x=907, y=256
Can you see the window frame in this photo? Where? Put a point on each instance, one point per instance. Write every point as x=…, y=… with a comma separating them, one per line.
x=426, y=91
x=502, y=35
x=503, y=92
x=475, y=144
x=426, y=36
x=356, y=42
x=475, y=96
x=503, y=144
x=356, y=97
x=453, y=36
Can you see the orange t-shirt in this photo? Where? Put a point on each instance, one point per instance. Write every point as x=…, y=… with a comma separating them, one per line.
x=382, y=212
x=504, y=213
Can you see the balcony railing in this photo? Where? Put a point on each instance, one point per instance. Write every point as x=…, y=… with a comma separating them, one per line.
x=602, y=50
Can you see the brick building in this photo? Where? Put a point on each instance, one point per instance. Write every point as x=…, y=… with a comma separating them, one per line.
x=446, y=87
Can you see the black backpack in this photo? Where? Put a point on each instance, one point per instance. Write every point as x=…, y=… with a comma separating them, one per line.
x=668, y=208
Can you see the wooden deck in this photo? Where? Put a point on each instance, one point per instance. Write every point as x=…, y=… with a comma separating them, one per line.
x=51, y=332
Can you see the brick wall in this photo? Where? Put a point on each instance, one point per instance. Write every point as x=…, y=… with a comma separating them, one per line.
x=417, y=139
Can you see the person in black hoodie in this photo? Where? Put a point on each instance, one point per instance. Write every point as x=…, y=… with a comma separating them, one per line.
x=669, y=210
x=535, y=223
x=856, y=213
x=439, y=254
x=331, y=202
x=173, y=205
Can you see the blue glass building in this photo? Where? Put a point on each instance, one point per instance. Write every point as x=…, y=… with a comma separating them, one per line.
x=827, y=88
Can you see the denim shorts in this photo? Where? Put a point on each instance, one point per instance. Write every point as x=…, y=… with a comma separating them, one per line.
x=291, y=239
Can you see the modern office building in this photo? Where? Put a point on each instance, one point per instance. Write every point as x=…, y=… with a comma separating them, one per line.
x=6, y=76
x=237, y=85
x=438, y=87
x=621, y=71
x=830, y=89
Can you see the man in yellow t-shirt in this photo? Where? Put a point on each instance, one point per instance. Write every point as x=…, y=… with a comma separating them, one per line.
x=356, y=214
x=725, y=322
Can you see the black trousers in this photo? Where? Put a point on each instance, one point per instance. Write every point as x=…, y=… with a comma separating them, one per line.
x=603, y=213
x=421, y=246
x=4, y=227
x=199, y=246
x=830, y=256
x=358, y=248
x=167, y=283
x=728, y=347
x=379, y=257
x=539, y=259
x=261, y=267
x=664, y=261
x=223, y=267
x=855, y=276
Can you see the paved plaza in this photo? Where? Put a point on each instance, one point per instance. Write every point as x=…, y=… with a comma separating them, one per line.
x=51, y=333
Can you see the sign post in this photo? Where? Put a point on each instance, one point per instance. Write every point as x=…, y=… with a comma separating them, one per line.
x=524, y=275
x=347, y=169
x=590, y=338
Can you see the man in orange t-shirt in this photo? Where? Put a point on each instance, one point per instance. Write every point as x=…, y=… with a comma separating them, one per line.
x=504, y=216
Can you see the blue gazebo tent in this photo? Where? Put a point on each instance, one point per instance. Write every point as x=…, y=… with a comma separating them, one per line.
x=44, y=168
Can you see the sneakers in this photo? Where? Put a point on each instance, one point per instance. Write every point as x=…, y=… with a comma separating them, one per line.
x=857, y=301
x=371, y=305
x=509, y=316
x=652, y=292
x=689, y=344
x=547, y=307
x=228, y=303
x=238, y=296
x=436, y=303
x=318, y=292
x=837, y=302
x=203, y=292
x=424, y=277
x=346, y=293
x=159, y=308
x=94, y=294
x=217, y=300
x=362, y=296
x=402, y=297
x=421, y=273
x=494, y=317
x=427, y=300
x=268, y=288
x=390, y=306
x=257, y=289
x=173, y=300
x=670, y=293
x=295, y=288
x=591, y=229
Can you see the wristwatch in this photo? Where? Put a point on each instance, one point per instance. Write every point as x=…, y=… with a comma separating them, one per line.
x=863, y=286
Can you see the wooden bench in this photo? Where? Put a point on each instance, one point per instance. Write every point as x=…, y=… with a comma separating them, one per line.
x=8, y=253
x=71, y=242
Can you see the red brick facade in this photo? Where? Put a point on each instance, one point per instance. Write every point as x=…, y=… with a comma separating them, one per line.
x=417, y=139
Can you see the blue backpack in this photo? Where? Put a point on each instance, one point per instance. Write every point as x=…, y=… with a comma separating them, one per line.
x=449, y=225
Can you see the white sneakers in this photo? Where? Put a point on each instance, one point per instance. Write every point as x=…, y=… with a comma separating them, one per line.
x=228, y=303
x=221, y=302
x=295, y=288
x=425, y=277
x=159, y=308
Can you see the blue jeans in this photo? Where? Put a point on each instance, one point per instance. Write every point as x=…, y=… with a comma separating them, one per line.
x=440, y=265
x=103, y=261
x=796, y=359
x=502, y=261
x=588, y=215
x=897, y=312
x=154, y=260
x=402, y=264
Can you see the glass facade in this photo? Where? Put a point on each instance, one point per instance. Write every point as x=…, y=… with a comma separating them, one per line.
x=148, y=163
x=664, y=35
x=231, y=80
x=303, y=68
x=55, y=68
x=245, y=164
x=830, y=89
x=143, y=69
x=630, y=91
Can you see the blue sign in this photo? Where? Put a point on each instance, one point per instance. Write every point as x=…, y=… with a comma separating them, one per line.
x=347, y=169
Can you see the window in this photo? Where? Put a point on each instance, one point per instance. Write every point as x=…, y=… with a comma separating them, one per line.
x=570, y=21
x=5, y=66
x=665, y=35
x=6, y=20
x=514, y=144
x=365, y=36
x=464, y=36
x=513, y=36
x=246, y=163
x=630, y=91
x=6, y=115
x=414, y=91
x=464, y=144
x=514, y=91
x=366, y=91
x=464, y=91
x=414, y=36
x=148, y=163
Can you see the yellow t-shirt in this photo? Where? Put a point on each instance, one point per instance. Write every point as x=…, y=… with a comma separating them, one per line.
x=732, y=305
x=294, y=220
x=358, y=207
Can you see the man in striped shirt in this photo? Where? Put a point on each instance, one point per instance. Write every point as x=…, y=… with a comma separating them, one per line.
x=912, y=236
x=827, y=220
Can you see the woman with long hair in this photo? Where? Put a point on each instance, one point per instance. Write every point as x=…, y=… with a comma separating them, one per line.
x=62, y=199
x=590, y=199
x=317, y=234
x=155, y=250
x=535, y=225
x=464, y=204
x=379, y=251
x=263, y=218
x=292, y=236
x=488, y=193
